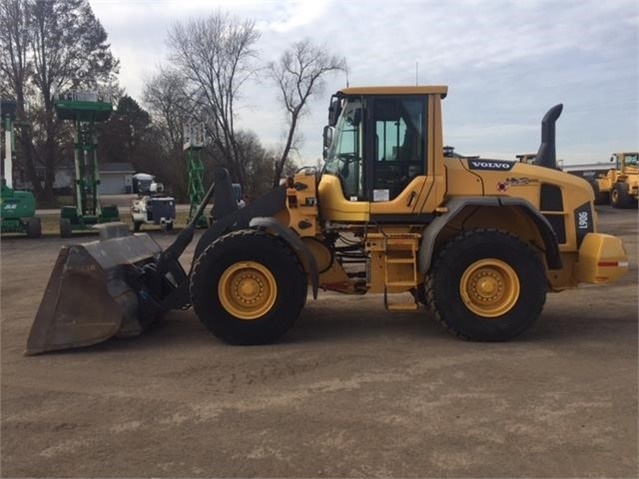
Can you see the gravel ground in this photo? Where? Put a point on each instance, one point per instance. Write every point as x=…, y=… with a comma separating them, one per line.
x=352, y=391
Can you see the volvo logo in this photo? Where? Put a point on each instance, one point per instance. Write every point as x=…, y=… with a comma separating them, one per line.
x=490, y=165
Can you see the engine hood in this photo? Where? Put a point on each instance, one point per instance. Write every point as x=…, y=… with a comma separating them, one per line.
x=509, y=178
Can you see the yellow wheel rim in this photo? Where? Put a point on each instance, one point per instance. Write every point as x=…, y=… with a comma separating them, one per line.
x=247, y=290
x=489, y=288
x=615, y=196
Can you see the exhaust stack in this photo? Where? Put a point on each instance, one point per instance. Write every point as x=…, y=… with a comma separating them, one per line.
x=547, y=156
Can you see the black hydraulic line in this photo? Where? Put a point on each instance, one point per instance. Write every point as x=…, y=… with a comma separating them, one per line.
x=184, y=238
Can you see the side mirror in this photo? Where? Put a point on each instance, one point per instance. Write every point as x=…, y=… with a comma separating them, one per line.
x=612, y=158
x=328, y=139
x=334, y=110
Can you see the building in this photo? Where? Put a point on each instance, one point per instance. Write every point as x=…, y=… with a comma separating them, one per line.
x=115, y=178
x=62, y=182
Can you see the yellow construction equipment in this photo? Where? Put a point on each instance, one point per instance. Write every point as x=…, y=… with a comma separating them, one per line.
x=528, y=158
x=620, y=185
x=480, y=241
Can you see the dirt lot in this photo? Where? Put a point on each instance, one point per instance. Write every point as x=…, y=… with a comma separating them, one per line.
x=352, y=391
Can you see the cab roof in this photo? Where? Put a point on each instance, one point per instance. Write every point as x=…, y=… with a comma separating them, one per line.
x=396, y=90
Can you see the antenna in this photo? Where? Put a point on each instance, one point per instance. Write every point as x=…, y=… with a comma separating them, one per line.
x=416, y=72
x=346, y=71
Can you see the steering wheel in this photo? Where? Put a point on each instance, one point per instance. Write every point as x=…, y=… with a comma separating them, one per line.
x=348, y=158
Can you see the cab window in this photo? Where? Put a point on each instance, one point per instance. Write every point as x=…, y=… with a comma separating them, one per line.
x=631, y=160
x=400, y=145
x=344, y=158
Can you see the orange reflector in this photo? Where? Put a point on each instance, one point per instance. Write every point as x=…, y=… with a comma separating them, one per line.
x=612, y=264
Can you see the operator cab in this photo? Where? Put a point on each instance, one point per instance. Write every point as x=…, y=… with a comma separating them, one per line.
x=623, y=160
x=383, y=152
x=376, y=144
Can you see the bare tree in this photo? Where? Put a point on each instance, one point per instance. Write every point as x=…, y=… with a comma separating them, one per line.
x=165, y=100
x=299, y=75
x=16, y=70
x=215, y=55
x=69, y=50
x=16, y=66
x=258, y=161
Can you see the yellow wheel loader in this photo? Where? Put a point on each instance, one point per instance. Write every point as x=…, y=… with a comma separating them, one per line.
x=528, y=158
x=620, y=185
x=480, y=241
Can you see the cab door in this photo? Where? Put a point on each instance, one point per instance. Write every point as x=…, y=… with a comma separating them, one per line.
x=396, y=156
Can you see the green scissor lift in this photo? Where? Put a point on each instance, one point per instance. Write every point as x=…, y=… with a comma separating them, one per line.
x=17, y=208
x=193, y=145
x=85, y=109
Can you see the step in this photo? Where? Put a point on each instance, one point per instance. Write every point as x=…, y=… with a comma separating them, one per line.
x=402, y=284
x=402, y=236
x=400, y=260
x=410, y=236
x=401, y=244
x=402, y=307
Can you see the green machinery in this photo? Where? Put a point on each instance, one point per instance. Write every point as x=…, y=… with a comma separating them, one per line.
x=17, y=212
x=85, y=109
x=193, y=145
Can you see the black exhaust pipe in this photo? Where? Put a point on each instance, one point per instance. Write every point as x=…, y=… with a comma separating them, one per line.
x=547, y=156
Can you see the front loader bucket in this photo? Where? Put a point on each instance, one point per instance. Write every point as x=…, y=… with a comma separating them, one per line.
x=93, y=295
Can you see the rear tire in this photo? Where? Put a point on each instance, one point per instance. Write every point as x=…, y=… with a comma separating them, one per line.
x=601, y=197
x=65, y=228
x=619, y=196
x=487, y=285
x=34, y=228
x=137, y=225
x=248, y=287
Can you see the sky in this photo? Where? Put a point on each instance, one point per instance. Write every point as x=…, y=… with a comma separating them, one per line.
x=505, y=63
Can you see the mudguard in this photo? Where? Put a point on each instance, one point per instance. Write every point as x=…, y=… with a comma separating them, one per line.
x=294, y=241
x=455, y=205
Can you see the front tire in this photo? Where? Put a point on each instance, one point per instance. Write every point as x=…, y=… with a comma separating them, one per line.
x=34, y=228
x=487, y=285
x=620, y=196
x=248, y=287
x=601, y=197
x=65, y=228
x=419, y=294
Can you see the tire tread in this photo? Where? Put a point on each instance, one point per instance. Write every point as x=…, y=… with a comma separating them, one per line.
x=231, y=237
x=432, y=277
